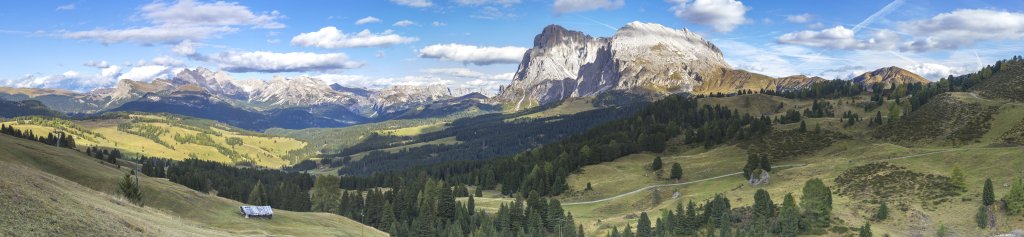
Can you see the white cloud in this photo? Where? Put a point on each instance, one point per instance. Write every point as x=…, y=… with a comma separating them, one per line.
x=148, y=73
x=165, y=60
x=184, y=20
x=840, y=37
x=413, y=3
x=330, y=37
x=722, y=15
x=816, y=25
x=66, y=7
x=801, y=18
x=368, y=20
x=567, y=6
x=487, y=2
x=97, y=64
x=934, y=71
x=963, y=27
x=184, y=48
x=404, y=23
x=438, y=23
x=262, y=61
x=474, y=54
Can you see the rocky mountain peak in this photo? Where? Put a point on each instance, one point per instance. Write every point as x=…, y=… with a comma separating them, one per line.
x=553, y=35
x=640, y=57
x=889, y=75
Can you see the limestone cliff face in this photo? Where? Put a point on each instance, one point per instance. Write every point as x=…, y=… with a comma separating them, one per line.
x=639, y=57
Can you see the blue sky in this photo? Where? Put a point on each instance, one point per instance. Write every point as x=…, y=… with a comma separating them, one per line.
x=83, y=45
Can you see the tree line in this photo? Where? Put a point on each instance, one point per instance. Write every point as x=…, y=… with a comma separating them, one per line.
x=59, y=139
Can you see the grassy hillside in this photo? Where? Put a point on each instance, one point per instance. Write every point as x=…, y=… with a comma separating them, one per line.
x=172, y=137
x=851, y=152
x=59, y=188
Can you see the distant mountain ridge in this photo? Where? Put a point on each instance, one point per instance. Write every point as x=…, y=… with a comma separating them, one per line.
x=888, y=76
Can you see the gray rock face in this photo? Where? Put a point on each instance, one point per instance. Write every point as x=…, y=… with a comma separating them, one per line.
x=640, y=56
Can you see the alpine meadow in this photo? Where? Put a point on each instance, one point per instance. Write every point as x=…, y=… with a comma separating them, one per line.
x=510, y=118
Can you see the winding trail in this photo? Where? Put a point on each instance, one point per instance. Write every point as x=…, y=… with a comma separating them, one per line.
x=668, y=185
x=727, y=175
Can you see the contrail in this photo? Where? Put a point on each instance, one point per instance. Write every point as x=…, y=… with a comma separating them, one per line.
x=600, y=23
x=880, y=13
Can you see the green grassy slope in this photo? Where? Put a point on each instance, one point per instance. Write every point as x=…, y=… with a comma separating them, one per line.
x=168, y=204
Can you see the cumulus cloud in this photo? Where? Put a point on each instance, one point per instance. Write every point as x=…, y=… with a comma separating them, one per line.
x=722, y=15
x=840, y=37
x=330, y=37
x=438, y=23
x=963, y=27
x=262, y=61
x=801, y=18
x=97, y=64
x=933, y=71
x=184, y=48
x=413, y=3
x=66, y=7
x=567, y=6
x=404, y=23
x=148, y=73
x=368, y=20
x=474, y=54
x=184, y=20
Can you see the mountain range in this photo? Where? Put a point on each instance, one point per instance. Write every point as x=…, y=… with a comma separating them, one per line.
x=645, y=60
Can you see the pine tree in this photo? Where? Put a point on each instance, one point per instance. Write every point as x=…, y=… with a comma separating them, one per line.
x=588, y=187
x=803, y=126
x=988, y=195
x=479, y=192
x=764, y=208
x=388, y=219
x=325, y=193
x=817, y=203
x=656, y=164
x=883, y=212
x=865, y=231
x=958, y=178
x=129, y=188
x=257, y=196
x=471, y=205
x=677, y=172
x=643, y=226
x=628, y=231
x=1015, y=198
x=788, y=224
x=981, y=218
x=579, y=231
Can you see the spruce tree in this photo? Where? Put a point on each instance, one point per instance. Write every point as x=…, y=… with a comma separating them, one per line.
x=981, y=218
x=764, y=208
x=865, y=231
x=803, y=126
x=656, y=164
x=788, y=223
x=988, y=195
x=817, y=203
x=677, y=172
x=257, y=196
x=958, y=178
x=471, y=205
x=1015, y=198
x=129, y=188
x=479, y=192
x=883, y=212
x=643, y=226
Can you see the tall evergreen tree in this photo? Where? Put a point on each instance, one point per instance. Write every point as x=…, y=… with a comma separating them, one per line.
x=677, y=172
x=1015, y=198
x=883, y=212
x=981, y=218
x=656, y=164
x=988, y=195
x=865, y=231
x=788, y=223
x=257, y=196
x=643, y=226
x=958, y=178
x=764, y=208
x=471, y=205
x=817, y=203
x=129, y=188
